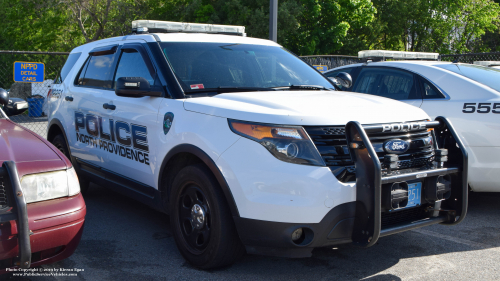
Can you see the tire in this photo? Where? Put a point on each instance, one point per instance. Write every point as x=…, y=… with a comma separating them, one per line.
x=214, y=242
x=60, y=143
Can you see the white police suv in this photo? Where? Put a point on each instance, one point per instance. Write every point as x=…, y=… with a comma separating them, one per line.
x=468, y=94
x=247, y=147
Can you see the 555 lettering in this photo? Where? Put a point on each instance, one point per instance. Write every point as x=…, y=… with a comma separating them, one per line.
x=482, y=107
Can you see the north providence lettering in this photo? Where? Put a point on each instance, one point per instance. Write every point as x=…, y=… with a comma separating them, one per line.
x=128, y=141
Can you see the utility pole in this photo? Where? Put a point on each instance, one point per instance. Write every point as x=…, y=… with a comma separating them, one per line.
x=273, y=20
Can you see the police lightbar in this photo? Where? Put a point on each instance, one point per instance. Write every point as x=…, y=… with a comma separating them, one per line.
x=144, y=26
x=488, y=63
x=397, y=55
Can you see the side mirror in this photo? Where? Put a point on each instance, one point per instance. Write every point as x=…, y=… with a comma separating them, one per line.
x=342, y=80
x=4, y=97
x=345, y=79
x=136, y=87
x=15, y=106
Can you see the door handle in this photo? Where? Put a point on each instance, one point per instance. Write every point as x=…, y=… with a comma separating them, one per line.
x=109, y=106
x=68, y=98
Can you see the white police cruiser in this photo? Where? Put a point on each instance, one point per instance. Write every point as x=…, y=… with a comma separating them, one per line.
x=468, y=94
x=247, y=147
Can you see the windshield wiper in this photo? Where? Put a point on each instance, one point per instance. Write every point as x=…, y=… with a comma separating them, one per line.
x=303, y=87
x=228, y=89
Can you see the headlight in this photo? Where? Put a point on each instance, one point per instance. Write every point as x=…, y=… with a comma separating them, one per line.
x=51, y=185
x=287, y=143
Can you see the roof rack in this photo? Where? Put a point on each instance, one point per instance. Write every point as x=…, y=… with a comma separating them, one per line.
x=382, y=55
x=156, y=26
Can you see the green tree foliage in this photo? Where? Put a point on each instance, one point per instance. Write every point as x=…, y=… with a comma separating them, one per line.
x=61, y=25
x=464, y=23
x=97, y=19
x=324, y=24
x=477, y=18
x=36, y=26
x=253, y=14
x=490, y=41
x=444, y=26
x=305, y=27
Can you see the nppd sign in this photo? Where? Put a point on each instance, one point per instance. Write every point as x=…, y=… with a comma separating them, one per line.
x=29, y=72
x=321, y=68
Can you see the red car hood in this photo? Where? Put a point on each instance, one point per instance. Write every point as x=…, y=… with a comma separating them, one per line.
x=31, y=153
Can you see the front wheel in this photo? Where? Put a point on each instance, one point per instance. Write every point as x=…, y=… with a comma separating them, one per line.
x=201, y=221
x=60, y=143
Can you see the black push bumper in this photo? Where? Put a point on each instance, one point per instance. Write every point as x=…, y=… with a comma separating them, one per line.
x=18, y=212
x=369, y=181
x=361, y=221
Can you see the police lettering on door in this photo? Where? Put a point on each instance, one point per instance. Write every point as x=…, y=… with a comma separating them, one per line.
x=123, y=139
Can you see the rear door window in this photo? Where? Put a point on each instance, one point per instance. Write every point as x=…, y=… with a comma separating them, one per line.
x=387, y=82
x=429, y=91
x=81, y=74
x=70, y=62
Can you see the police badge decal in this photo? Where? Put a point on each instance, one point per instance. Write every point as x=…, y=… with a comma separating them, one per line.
x=167, y=122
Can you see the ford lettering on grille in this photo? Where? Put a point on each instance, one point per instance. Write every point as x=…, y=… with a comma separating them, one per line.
x=396, y=146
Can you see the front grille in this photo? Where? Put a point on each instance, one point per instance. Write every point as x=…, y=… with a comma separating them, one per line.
x=405, y=216
x=4, y=201
x=332, y=146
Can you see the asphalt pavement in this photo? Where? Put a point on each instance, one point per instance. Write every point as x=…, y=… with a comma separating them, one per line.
x=126, y=240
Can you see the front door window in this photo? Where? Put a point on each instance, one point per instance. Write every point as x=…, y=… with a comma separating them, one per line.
x=389, y=83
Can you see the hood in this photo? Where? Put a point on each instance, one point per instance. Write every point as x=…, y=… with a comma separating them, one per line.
x=306, y=108
x=31, y=153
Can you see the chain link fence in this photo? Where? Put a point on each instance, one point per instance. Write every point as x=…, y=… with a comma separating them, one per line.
x=35, y=117
x=331, y=61
x=474, y=58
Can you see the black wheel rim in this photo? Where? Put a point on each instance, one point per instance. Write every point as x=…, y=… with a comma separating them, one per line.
x=196, y=235
x=60, y=147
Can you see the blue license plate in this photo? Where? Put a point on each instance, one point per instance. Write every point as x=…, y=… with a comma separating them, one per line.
x=414, y=194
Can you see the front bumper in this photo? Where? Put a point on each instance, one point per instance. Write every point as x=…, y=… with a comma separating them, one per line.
x=274, y=238
x=38, y=233
x=362, y=220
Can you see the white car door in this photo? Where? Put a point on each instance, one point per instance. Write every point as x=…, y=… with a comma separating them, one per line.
x=86, y=96
x=135, y=121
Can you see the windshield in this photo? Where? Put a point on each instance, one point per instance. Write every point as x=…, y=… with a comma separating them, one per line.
x=213, y=65
x=484, y=75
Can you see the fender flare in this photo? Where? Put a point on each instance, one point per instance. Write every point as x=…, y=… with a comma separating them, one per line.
x=189, y=148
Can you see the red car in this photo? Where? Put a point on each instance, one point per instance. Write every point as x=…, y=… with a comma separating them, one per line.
x=42, y=211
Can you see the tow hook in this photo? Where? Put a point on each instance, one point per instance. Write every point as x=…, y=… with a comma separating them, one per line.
x=452, y=214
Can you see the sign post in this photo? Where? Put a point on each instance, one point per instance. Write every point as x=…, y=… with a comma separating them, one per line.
x=29, y=72
x=273, y=20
